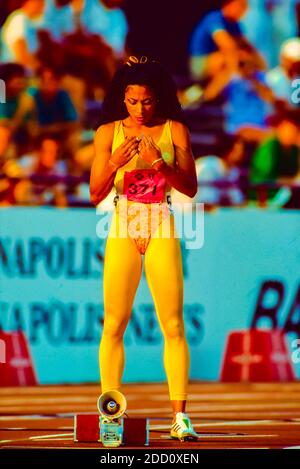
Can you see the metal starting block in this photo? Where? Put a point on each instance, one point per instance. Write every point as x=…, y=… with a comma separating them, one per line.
x=133, y=431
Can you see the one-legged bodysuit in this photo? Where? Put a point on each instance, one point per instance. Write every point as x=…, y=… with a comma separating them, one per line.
x=163, y=270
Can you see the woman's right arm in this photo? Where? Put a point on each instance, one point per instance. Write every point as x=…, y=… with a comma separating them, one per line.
x=105, y=165
x=102, y=172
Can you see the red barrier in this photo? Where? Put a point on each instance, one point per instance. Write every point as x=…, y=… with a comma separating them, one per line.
x=257, y=355
x=18, y=369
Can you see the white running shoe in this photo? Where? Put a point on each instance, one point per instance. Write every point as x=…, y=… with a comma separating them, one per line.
x=182, y=428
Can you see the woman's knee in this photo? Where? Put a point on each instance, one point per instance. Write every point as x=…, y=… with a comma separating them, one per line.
x=114, y=329
x=173, y=328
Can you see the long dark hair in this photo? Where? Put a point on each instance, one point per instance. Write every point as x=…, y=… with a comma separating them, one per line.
x=145, y=72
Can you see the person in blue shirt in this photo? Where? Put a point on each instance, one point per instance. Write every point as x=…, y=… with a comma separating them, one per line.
x=215, y=40
x=248, y=101
x=52, y=111
x=53, y=106
x=15, y=79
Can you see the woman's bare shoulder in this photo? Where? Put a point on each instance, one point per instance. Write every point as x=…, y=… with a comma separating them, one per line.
x=106, y=128
x=105, y=132
x=180, y=132
x=178, y=126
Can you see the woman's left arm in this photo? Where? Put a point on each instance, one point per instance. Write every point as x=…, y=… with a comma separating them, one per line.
x=183, y=176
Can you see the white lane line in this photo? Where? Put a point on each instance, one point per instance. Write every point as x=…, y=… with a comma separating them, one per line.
x=40, y=417
x=220, y=424
x=214, y=436
x=62, y=439
x=48, y=437
x=26, y=417
x=224, y=397
x=292, y=447
x=148, y=411
x=15, y=428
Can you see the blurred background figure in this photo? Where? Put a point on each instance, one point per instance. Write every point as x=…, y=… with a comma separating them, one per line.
x=216, y=39
x=54, y=112
x=219, y=177
x=51, y=111
x=19, y=37
x=14, y=76
x=41, y=164
x=101, y=17
x=247, y=98
x=277, y=159
x=280, y=79
x=90, y=35
x=275, y=21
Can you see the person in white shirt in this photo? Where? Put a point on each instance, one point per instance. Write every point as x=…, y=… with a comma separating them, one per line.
x=19, y=36
x=281, y=78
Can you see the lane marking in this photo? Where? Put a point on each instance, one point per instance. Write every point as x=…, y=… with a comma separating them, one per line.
x=48, y=437
x=213, y=436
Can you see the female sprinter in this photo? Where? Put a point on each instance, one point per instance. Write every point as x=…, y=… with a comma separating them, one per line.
x=142, y=148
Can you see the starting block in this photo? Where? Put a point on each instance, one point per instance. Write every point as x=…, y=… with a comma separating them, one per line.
x=87, y=429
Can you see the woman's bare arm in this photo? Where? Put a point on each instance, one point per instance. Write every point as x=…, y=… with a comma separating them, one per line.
x=102, y=173
x=105, y=165
x=183, y=177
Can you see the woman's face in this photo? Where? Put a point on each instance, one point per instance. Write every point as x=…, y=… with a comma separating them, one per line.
x=140, y=102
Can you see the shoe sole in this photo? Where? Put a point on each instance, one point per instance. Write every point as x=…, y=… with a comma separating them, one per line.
x=185, y=438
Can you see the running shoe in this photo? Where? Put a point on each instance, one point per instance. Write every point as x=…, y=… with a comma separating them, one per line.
x=182, y=428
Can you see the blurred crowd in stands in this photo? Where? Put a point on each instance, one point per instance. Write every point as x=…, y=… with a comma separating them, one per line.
x=237, y=68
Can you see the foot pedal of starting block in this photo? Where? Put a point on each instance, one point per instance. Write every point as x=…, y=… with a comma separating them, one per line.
x=87, y=428
x=135, y=432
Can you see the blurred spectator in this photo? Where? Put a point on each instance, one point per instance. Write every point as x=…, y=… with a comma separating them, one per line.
x=268, y=23
x=277, y=159
x=4, y=142
x=103, y=18
x=19, y=37
x=247, y=97
x=280, y=79
x=15, y=79
x=258, y=28
x=42, y=164
x=284, y=23
x=215, y=40
x=219, y=177
x=53, y=112
x=89, y=39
